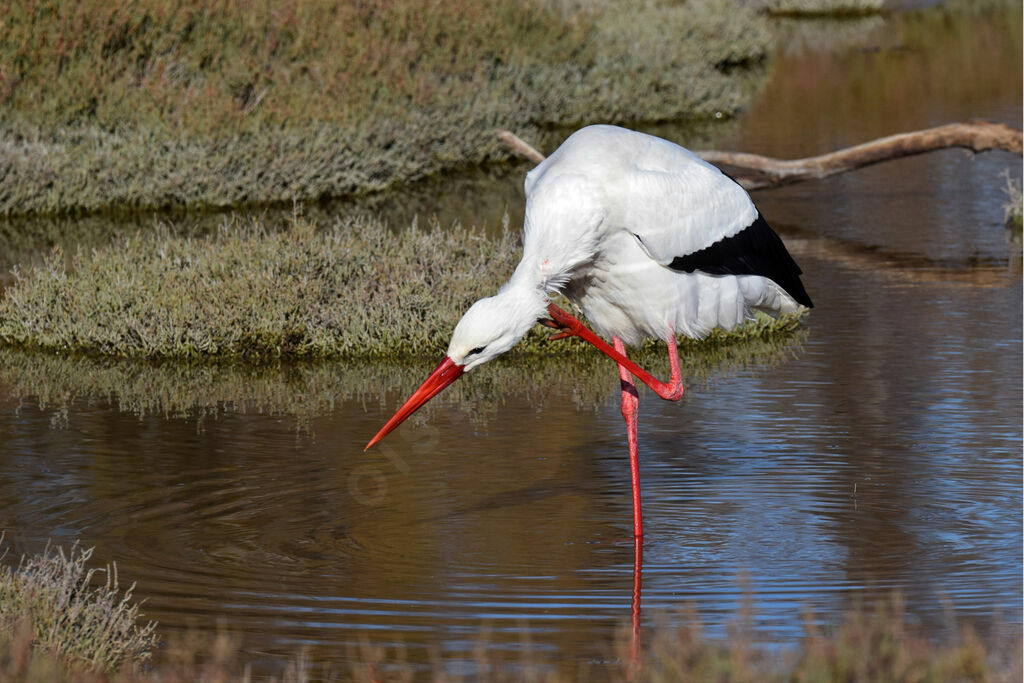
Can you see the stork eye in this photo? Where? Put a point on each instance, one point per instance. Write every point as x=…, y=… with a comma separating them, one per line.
x=479, y=349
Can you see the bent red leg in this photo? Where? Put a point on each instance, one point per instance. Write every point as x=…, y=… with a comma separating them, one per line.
x=630, y=403
x=571, y=327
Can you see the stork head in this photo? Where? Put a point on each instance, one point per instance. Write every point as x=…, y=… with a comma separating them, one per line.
x=488, y=329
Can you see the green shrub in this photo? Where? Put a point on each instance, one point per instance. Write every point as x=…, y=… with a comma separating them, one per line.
x=159, y=104
x=248, y=291
x=355, y=290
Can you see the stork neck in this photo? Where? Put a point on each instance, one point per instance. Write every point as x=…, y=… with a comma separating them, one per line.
x=525, y=296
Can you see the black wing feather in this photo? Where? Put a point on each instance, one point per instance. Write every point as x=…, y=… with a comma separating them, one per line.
x=754, y=250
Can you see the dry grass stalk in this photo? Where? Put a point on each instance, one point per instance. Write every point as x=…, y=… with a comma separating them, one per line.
x=53, y=602
x=1014, y=206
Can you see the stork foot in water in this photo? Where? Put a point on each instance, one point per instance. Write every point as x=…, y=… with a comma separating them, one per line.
x=672, y=390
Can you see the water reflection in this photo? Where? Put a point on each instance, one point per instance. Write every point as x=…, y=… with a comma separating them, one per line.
x=304, y=391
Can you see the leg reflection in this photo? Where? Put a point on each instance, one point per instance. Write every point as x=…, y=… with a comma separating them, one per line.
x=634, y=641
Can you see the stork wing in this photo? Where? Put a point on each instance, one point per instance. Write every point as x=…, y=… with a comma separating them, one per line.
x=697, y=218
x=677, y=211
x=685, y=213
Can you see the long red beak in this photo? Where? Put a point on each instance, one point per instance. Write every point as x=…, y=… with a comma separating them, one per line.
x=446, y=373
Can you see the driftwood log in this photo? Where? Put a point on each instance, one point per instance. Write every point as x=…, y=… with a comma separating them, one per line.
x=756, y=171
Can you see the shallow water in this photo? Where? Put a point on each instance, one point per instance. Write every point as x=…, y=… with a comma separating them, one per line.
x=880, y=450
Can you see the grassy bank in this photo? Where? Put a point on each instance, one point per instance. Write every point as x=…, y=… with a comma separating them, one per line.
x=354, y=290
x=57, y=626
x=179, y=103
x=252, y=292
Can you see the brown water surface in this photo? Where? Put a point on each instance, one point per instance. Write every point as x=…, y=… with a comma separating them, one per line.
x=879, y=450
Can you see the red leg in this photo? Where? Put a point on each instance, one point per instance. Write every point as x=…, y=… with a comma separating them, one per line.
x=630, y=401
x=571, y=327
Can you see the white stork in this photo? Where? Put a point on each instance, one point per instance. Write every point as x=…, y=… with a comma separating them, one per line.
x=647, y=240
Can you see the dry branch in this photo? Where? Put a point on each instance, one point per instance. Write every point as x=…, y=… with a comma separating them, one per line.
x=759, y=171
x=520, y=146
